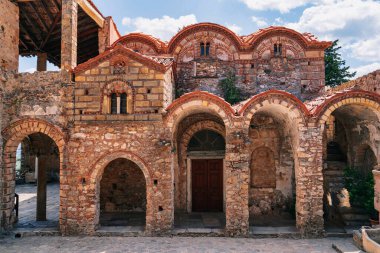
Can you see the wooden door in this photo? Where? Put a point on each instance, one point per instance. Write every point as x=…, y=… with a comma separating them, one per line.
x=207, y=185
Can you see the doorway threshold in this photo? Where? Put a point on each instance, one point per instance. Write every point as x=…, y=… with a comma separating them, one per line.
x=122, y=231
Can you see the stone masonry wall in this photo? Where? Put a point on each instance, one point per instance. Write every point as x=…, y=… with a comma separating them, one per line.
x=92, y=146
x=122, y=187
x=38, y=94
x=9, y=36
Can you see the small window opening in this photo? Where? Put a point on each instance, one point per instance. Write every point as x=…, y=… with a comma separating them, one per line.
x=207, y=49
x=123, y=103
x=202, y=45
x=252, y=66
x=113, y=103
x=86, y=91
x=277, y=49
x=160, y=209
x=148, y=91
x=80, y=112
x=155, y=182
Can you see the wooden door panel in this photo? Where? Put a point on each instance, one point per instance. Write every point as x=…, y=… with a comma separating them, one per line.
x=207, y=185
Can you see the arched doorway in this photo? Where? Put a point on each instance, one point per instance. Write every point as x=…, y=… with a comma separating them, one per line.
x=37, y=173
x=272, y=170
x=206, y=151
x=348, y=163
x=199, y=177
x=123, y=199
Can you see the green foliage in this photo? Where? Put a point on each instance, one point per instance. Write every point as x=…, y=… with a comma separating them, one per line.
x=361, y=188
x=230, y=92
x=336, y=70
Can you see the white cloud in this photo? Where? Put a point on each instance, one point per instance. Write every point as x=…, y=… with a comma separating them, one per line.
x=164, y=28
x=356, y=23
x=260, y=22
x=367, y=50
x=283, y=6
x=235, y=28
x=363, y=70
x=31, y=70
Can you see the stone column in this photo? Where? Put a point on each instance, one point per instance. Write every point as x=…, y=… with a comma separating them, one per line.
x=9, y=36
x=237, y=183
x=69, y=34
x=376, y=175
x=41, y=187
x=41, y=61
x=309, y=181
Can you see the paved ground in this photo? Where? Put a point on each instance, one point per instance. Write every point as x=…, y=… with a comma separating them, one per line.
x=28, y=202
x=167, y=245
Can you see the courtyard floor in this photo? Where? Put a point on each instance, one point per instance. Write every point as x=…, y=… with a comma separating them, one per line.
x=172, y=244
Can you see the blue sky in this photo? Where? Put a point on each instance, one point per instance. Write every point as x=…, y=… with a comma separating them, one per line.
x=356, y=23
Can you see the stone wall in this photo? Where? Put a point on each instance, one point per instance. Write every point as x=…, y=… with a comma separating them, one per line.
x=147, y=89
x=122, y=187
x=38, y=94
x=9, y=36
x=94, y=145
x=369, y=82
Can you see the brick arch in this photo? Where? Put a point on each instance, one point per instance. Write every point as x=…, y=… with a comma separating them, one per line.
x=277, y=98
x=13, y=136
x=197, y=101
x=203, y=27
x=363, y=98
x=157, y=45
x=118, y=86
x=307, y=41
x=96, y=174
x=185, y=138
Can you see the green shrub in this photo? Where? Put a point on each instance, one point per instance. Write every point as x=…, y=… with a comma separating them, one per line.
x=361, y=188
x=230, y=92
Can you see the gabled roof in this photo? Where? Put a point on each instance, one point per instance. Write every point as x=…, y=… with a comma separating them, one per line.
x=307, y=40
x=161, y=64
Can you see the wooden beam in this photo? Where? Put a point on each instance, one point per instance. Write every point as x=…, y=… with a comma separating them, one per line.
x=31, y=37
x=52, y=27
x=47, y=10
x=44, y=26
x=23, y=44
x=94, y=14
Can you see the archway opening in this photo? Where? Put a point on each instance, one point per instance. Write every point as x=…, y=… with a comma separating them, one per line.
x=272, y=196
x=37, y=174
x=123, y=197
x=199, y=177
x=348, y=163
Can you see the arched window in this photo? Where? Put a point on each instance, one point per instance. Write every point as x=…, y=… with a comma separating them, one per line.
x=123, y=103
x=206, y=140
x=113, y=103
x=207, y=49
x=277, y=49
x=202, y=45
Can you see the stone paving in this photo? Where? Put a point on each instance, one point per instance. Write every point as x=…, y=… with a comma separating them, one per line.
x=27, y=207
x=168, y=245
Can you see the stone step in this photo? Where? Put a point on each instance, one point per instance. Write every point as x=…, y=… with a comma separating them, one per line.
x=355, y=217
x=357, y=223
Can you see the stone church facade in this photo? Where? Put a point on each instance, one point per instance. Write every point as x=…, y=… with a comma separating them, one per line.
x=142, y=125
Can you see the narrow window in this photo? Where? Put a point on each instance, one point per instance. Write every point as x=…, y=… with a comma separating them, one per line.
x=280, y=49
x=123, y=103
x=275, y=49
x=202, y=49
x=207, y=49
x=113, y=103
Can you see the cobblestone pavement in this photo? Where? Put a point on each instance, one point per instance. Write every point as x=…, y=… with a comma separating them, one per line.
x=167, y=245
x=28, y=203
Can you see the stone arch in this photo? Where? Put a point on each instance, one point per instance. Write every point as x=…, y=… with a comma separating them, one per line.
x=97, y=173
x=362, y=153
x=196, y=102
x=266, y=175
x=203, y=27
x=118, y=86
x=13, y=135
x=363, y=98
x=274, y=98
x=155, y=44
